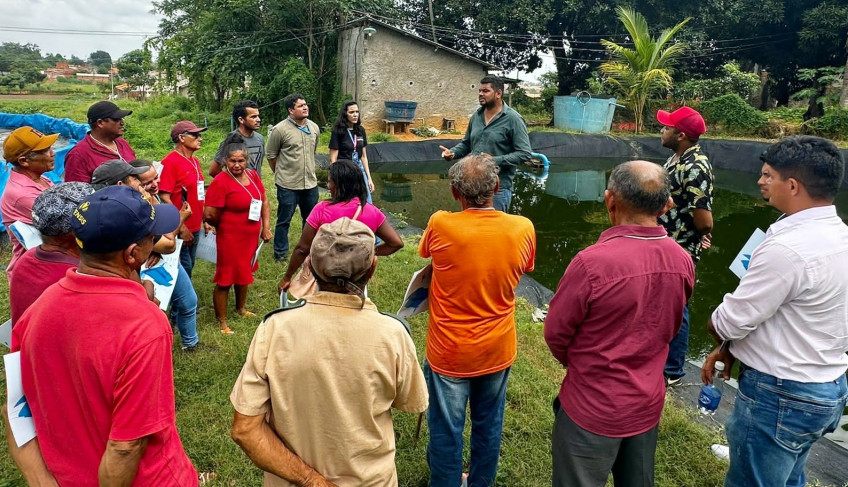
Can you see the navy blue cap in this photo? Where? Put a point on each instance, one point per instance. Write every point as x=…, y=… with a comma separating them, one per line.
x=117, y=216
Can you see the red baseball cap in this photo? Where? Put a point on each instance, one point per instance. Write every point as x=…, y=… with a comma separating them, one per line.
x=684, y=119
x=185, y=127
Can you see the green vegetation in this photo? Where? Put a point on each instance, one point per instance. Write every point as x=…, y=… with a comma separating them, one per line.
x=645, y=70
x=732, y=80
x=732, y=114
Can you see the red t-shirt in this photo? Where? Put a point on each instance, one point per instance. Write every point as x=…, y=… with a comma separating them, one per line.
x=87, y=155
x=615, y=311
x=96, y=365
x=39, y=270
x=177, y=173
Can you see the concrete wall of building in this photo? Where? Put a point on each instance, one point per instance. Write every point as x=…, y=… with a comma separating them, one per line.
x=390, y=66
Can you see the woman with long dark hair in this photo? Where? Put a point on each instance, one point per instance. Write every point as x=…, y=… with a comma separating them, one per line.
x=347, y=191
x=237, y=207
x=348, y=141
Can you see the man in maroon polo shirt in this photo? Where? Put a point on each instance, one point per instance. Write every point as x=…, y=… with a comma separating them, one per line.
x=44, y=265
x=104, y=142
x=617, y=307
x=100, y=384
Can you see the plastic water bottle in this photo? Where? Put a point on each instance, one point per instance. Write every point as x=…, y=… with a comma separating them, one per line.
x=710, y=395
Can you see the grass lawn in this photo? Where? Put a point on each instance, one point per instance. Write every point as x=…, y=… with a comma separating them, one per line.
x=204, y=380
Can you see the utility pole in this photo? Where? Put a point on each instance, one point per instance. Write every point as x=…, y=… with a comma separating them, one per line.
x=432, y=25
x=111, y=81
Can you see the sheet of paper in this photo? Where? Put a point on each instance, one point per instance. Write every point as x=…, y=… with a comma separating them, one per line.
x=206, y=248
x=26, y=234
x=20, y=416
x=739, y=266
x=256, y=255
x=415, y=300
x=6, y=333
x=164, y=276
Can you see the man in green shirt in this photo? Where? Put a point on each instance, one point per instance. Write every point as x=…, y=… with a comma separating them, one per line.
x=498, y=131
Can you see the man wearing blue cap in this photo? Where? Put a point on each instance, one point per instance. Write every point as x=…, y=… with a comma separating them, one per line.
x=96, y=355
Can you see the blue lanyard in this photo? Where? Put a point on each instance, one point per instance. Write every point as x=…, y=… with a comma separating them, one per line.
x=353, y=139
x=304, y=129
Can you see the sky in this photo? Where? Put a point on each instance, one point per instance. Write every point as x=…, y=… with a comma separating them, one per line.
x=32, y=17
x=85, y=24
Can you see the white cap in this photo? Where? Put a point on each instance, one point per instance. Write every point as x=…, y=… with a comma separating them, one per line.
x=719, y=366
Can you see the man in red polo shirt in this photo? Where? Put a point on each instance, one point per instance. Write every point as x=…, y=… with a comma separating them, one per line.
x=617, y=307
x=182, y=174
x=104, y=142
x=100, y=384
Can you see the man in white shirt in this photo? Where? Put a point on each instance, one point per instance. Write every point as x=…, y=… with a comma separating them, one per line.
x=787, y=321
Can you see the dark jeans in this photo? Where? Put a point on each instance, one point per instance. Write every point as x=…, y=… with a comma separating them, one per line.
x=485, y=395
x=287, y=201
x=584, y=459
x=188, y=254
x=678, y=348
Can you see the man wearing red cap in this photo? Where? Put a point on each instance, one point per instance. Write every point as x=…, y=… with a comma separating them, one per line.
x=690, y=220
x=104, y=142
x=182, y=175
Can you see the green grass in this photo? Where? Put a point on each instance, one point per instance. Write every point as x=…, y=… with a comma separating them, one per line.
x=204, y=380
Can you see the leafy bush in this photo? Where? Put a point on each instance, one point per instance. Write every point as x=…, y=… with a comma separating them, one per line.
x=732, y=114
x=834, y=124
x=732, y=80
x=787, y=114
x=381, y=137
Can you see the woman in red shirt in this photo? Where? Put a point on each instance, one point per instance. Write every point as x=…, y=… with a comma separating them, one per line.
x=237, y=208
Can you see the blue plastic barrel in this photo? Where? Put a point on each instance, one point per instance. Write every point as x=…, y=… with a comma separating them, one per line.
x=584, y=114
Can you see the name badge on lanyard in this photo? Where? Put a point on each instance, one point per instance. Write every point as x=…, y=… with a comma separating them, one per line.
x=201, y=191
x=255, y=210
x=355, y=140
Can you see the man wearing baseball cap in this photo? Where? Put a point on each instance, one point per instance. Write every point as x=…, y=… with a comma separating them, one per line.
x=100, y=383
x=31, y=155
x=104, y=142
x=182, y=171
x=42, y=266
x=113, y=173
x=331, y=393
x=690, y=220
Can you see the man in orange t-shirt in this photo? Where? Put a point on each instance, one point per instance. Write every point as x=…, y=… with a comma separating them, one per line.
x=479, y=255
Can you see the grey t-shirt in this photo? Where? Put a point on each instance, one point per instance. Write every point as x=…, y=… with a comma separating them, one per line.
x=255, y=151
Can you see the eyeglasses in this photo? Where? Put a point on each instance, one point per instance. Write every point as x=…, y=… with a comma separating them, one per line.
x=196, y=136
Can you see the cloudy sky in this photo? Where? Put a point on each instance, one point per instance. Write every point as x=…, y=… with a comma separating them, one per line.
x=35, y=21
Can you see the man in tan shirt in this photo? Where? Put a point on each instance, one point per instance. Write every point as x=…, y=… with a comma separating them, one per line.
x=313, y=401
x=291, y=155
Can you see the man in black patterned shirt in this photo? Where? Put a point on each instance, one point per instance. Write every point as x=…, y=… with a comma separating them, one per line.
x=690, y=220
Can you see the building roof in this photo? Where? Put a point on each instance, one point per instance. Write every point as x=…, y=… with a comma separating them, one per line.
x=368, y=20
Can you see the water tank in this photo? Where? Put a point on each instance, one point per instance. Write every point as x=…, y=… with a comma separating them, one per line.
x=583, y=113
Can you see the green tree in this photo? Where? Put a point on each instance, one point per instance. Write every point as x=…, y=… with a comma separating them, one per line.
x=100, y=59
x=12, y=52
x=645, y=70
x=134, y=68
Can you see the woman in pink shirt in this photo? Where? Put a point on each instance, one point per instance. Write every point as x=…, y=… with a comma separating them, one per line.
x=31, y=154
x=348, y=196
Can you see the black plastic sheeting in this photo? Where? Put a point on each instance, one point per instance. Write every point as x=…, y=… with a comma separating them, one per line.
x=738, y=155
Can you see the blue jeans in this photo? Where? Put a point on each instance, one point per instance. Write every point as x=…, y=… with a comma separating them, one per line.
x=287, y=201
x=188, y=254
x=678, y=348
x=774, y=424
x=446, y=420
x=502, y=200
x=184, y=308
x=365, y=178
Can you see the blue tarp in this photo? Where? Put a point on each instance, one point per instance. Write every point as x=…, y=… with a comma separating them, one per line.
x=65, y=127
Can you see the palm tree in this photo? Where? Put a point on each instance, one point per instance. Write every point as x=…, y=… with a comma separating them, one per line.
x=644, y=70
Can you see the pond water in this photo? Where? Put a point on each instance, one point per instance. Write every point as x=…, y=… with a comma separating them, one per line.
x=567, y=210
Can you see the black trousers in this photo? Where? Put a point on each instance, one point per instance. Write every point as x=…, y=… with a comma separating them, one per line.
x=584, y=459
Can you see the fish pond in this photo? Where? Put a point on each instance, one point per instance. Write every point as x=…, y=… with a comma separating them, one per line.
x=566, y=206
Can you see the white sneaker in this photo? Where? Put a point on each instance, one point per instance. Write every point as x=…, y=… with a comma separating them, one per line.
x=722, y=452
